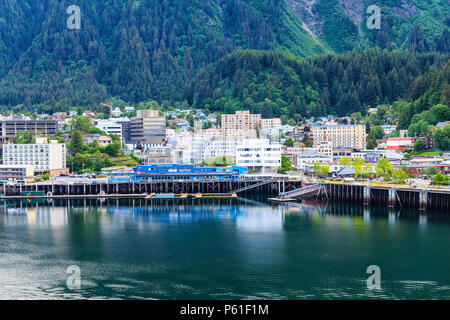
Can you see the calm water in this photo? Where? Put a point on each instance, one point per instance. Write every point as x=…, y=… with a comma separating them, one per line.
x=220, y=250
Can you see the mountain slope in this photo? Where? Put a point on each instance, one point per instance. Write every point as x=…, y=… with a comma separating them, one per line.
x=150, y=49
x=136, y=50
x=342, y=23
x=277, y=85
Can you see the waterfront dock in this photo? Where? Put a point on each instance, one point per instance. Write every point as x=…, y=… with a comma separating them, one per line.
x=373, y=194
x=390, y=195
x=155, y=187
x=193, y=196
x=287, y=191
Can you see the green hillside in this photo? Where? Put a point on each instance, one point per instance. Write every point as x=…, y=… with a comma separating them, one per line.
x=278, y=85
x=151, y=49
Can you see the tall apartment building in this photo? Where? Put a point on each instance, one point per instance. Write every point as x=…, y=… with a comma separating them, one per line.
x=43, y=155
x=239, y=126
x=148, y=124
x=10, y=128
x=340, y=136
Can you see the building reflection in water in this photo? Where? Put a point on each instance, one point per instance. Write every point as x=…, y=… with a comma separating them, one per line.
x=256, y=214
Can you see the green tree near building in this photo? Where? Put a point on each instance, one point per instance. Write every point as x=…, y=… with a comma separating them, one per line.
x=419, y=128
x=76, y=144
x=440, y=179
x=81, y=123
x=219, y=161
x=307, y=141
x=79, y=162
x=24, y=137
x=358, y=166
x=376, y=133
x=399, y=175
x=383, y=168
x=114, y=148
x=430, y=172
x=368, y=171
x=419, y=145
x=321, y=169
x=442, y=138
x=345, y=161
x=286, y=164
x=288, y=142
x=98, y=161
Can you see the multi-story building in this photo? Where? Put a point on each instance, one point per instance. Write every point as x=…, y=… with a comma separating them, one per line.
x=340, y=136
x=126, y=128
x=238, y=134
x=270, y=123
x=148, y=124
x=259, y=154
x=190, y=147
x=156, y=155
x=310, y=158
x=102, y=141
x=220, y=148
x=302, y=154
x=10, y=128
x=239, y=126
x=17, y=173
x=44, y=156
x=119, y=126
x=399, y=143
x=147, y=113
x=109, y=126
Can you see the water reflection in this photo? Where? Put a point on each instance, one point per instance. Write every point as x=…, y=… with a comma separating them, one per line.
x=246, y=248
x=257, y=213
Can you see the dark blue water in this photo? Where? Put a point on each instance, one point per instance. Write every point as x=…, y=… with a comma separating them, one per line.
x=220, y=250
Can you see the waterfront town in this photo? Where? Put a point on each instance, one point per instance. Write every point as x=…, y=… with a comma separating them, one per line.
x=125, y=144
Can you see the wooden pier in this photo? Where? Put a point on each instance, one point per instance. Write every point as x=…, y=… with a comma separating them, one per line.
x=389, y=196
x=368, y=194
x=142, y=189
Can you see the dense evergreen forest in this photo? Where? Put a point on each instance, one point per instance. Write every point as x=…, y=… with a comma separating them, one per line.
x=196, y=52
x=277, y=85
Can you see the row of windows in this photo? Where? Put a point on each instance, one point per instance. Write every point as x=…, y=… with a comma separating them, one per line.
x=258, y=149
x=259, y=162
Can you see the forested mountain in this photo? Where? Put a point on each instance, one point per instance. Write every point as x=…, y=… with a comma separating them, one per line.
x=277, y=85
x=151, y=49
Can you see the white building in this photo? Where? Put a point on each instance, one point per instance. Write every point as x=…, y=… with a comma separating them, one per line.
x=220, y=148
x=43, y=155
x=399, y=143
x=116, y=112
x=109, y=126
x=310, y=158
x=189, y=147
x=389, y=129
x=259, y=154
x=156, y=155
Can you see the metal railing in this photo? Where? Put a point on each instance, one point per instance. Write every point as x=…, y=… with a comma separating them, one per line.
x=256, y=185
x=301, y=191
